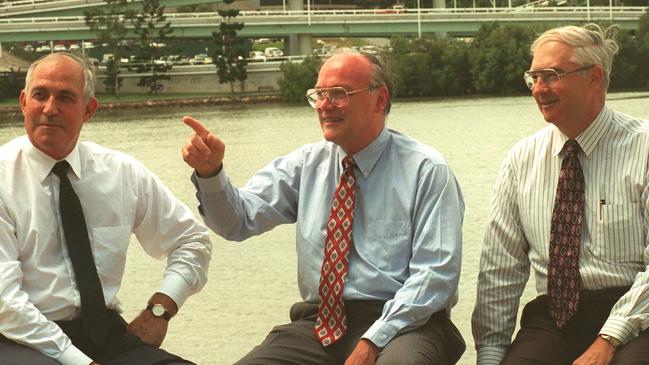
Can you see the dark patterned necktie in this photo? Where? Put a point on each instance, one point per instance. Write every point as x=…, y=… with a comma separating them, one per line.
x=565, y=238
x=93, y=306
x=331, y=322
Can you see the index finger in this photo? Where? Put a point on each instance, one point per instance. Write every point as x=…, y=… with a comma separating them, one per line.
x=197, y=126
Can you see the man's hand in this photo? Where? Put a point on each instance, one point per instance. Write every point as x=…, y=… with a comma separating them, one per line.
x=364, y=353
x=599, y=353
x=149, y=328
x=152, y=329
x=203, y=150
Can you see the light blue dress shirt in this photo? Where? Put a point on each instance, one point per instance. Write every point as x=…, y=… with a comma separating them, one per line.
x=407, y=230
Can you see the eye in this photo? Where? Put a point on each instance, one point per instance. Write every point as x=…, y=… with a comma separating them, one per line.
x=337, y=93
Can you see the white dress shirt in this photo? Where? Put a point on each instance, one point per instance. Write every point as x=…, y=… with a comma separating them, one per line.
x=614, y=246
x=119, y=197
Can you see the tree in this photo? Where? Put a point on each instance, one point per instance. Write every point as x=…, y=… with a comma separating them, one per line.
x=152, y=30
x=110, y=26
x=298, y=77
x=231, y=51
x=500, y=56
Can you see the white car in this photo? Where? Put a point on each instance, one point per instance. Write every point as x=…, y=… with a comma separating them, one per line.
x=59, y=48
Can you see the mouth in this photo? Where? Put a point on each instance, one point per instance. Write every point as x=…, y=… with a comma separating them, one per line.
x=49, y=124
x=547, y=103
x=325, y=120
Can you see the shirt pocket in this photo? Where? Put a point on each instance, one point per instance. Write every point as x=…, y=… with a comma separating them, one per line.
x=389, y=243
x=620, y=233
x=110, y=245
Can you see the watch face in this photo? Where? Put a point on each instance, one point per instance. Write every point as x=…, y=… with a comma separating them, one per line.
x=158, y=310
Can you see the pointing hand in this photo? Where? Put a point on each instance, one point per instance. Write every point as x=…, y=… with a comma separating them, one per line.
x=203, y=150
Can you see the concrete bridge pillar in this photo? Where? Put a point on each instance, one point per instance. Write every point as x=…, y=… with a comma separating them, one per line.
x=439, y=4
x=297, y=44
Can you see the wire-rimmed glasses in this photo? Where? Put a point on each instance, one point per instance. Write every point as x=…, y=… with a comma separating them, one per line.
x=338, y=96
x=548, y=75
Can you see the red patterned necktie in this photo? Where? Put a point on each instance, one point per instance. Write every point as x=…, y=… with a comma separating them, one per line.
x=331, y=323
x=565, y=238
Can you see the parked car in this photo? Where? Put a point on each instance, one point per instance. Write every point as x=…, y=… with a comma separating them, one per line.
x=272, y=52
x=44, y=48
x=28, y=48
x=200, y=59
x=257, y=56
x=59, y=48
x=74, y=47
x=88, y=45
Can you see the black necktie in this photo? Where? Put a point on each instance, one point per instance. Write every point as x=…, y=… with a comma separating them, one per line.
x=93, y=306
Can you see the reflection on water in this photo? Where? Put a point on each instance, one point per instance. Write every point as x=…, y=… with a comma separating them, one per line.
x=253, y=284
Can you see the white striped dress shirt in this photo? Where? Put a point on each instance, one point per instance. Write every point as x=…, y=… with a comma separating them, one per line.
x=614, y=248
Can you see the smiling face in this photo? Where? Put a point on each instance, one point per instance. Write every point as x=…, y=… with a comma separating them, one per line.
x=53, y=107
x=572, y=102
x=357, y=124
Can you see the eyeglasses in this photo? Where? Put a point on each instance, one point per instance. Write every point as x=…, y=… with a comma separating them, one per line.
x=338, y=96
x=548, y=75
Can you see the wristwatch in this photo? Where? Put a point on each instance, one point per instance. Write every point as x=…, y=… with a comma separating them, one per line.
x=159, y=311
x=612, y=340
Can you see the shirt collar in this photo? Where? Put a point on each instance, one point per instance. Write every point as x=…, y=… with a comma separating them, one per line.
x=367, y=158
x=42, y=164
x=589, y=137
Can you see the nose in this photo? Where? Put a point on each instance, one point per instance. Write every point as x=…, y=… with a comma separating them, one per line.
x=325, y=103
x=539, y=86
x=50, y=106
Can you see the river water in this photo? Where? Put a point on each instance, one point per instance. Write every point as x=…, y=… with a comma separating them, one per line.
x=252, y=284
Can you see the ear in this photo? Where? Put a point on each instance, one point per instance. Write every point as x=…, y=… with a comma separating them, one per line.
x=381, y=100
x=597, y=75
x=23, y=99
x=91, y=108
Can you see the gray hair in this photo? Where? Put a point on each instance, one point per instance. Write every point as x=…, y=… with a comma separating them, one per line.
x=591, y=45
x=83, y=61
x=379, y=76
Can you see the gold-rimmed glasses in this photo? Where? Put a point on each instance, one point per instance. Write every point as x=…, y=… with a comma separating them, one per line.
x=338, y=96
x=548, y=75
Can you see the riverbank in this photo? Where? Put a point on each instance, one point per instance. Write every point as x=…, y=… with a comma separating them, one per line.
x=128, y=103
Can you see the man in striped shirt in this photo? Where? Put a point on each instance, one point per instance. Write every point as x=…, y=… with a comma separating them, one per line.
x=604, y=319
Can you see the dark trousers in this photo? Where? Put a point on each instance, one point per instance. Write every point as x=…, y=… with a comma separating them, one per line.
x=121, y=348
x=437, y=342
x=540, y=341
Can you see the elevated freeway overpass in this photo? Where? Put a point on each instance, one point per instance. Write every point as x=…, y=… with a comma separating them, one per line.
x=28, y=8
x=332, y=23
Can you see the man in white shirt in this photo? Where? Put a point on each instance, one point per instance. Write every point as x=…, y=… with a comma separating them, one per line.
x=571, y=203
x=44, y=288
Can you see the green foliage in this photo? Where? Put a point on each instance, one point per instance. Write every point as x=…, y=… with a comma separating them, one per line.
x=430, y=66
x=113, y=82
x=110, y=26
x=152, y=29
x=231, y=52
x=627, y=71
x=298, y=77
x=499, y=57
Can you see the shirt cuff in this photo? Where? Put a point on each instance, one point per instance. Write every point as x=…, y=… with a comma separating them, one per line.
x=381, y=333
x=73, y=356
x=175, y=287
x=214, y=184
x=620, y=329
x=491, y=355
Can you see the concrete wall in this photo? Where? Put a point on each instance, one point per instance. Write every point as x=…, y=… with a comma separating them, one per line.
x=262, y=77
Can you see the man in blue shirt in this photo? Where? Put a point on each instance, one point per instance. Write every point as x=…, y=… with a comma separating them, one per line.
x=388, y=300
